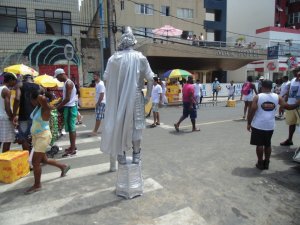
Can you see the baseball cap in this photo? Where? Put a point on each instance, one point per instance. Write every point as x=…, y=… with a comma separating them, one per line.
x=58, y=71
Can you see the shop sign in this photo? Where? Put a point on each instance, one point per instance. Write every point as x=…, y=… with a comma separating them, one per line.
x=238, y=53
x=271, y=66
x=273, y=52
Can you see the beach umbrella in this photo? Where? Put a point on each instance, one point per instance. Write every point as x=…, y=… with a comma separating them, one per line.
x=177, y=73
x=21, y=69
x=47, y=81
x=167, y=31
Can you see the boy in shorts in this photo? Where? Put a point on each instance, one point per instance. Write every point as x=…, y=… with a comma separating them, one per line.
x=261, y=122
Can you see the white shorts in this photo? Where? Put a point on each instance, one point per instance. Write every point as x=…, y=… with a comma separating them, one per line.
x=248, y=98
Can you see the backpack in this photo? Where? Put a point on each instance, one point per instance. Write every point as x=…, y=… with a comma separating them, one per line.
x=246, y=89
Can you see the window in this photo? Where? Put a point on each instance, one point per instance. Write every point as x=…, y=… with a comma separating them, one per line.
x=146, y=9
x=294, y=18
x=165, y=10
x=13, y=19
x=143, y=31
x=185, y=13
x=53, y=22
x=187, y=34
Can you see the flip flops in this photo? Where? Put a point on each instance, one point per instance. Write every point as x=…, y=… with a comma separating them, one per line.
x=153, y=125
x=65, y=170
x=32, y=190
x=176, y=127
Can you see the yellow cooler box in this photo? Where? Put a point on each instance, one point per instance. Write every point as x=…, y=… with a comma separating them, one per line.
x=87, y=92
x=13, y=166
x=231, y=103
x=87, y=103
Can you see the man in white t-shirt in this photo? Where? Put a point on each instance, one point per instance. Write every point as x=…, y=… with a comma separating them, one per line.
x=231, y=90
x=156, y=101
x=198, y=93
x=292, y=116
x=100, y=103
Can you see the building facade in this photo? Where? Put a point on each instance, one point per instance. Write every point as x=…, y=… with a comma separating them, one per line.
x=34, y=32
x=293, y=14
x=144, y=15
x=287, y=53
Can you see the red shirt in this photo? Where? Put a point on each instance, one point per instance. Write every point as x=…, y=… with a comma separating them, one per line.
x=187, y=92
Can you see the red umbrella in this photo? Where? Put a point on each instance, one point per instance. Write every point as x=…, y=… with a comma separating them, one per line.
x=167, y=31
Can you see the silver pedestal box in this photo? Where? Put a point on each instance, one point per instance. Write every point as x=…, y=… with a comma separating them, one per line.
x=129, y=179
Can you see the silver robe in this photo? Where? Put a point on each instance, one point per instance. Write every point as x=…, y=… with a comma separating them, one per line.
x=124, y=110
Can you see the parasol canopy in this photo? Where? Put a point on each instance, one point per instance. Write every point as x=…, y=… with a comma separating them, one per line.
x=167, y=31
x=177, y=73
x=21, y=69
x=47, y=81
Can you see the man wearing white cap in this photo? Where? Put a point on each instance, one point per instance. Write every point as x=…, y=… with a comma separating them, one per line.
x=70, y=109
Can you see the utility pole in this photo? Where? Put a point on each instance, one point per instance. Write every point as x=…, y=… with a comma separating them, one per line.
x=111, y=23
x=101, y=37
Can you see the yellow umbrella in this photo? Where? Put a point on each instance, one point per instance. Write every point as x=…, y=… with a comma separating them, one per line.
x=47, y=81
x=21, y=69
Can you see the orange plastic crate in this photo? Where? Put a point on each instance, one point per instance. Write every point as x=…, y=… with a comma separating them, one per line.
x=13, y=166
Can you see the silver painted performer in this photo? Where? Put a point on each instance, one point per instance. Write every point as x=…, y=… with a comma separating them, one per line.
x=124, y=114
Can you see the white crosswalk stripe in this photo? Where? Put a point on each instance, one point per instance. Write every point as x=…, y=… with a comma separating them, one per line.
x=84, y=153
x=55, y=176
x=180, y=217
x=49, y=211
x=84, y=140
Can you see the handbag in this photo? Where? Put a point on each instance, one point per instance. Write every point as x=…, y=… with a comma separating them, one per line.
x=296, y=156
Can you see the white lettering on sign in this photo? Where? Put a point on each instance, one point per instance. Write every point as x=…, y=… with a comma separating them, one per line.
x=239, y=53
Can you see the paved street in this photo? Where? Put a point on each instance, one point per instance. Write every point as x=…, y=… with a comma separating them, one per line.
x=191, y=178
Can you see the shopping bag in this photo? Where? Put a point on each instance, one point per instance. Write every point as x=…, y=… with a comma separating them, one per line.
x=296, y=156
x=30, y=157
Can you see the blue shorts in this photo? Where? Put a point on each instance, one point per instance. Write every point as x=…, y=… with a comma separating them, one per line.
x=100, y=109
x=24, y=130
x=187, y=111
x=155, y=107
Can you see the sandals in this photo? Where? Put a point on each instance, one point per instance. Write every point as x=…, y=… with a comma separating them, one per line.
x=266, y=164
x=153, y=125
x=157, y=123
x=260, y=165
x=32, y=190
x=69, y=149
x=286, y=143
x=65, y=170
x=176, y=127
